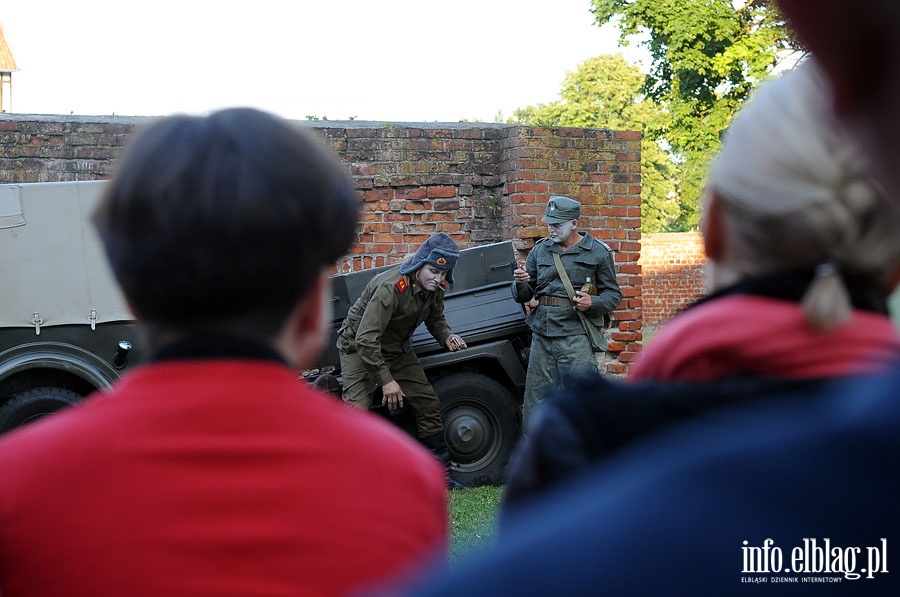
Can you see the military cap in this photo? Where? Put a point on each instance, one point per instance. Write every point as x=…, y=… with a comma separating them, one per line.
x=561, y=209
x=439, y=250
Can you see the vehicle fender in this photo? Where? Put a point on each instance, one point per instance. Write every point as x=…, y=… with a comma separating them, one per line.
x=501, y=351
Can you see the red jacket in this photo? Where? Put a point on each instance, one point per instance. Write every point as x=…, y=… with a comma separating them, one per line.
x=216, y=477
x=758, y=336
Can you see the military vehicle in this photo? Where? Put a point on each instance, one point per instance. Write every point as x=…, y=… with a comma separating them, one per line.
x=66, y=331
x=481, y=388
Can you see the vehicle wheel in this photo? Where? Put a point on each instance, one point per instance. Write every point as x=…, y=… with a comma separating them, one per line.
x=33, y=404
x=480, y=425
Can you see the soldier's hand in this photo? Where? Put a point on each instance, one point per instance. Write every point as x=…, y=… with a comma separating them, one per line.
x=531, y=306
x=454, y=343
x=582, y=301
x=392, y=395
x=520, y=275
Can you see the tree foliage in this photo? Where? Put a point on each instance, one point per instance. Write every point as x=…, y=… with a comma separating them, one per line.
x=707, y=57
x=605, y=92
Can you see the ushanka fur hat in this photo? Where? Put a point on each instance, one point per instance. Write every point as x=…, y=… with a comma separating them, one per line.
x=440, y=250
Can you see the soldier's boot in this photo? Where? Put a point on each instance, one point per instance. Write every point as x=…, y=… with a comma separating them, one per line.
x=438, y=446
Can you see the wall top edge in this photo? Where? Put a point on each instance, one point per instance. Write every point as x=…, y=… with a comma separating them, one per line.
x=343, y=124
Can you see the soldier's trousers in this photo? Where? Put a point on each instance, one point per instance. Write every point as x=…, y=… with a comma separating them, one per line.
x=406, y=371
x=552, y=358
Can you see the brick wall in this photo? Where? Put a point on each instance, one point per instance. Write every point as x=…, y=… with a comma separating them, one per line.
x=672, y=274
x=477, y=182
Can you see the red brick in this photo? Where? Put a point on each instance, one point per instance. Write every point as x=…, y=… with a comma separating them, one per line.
x=628, y=356
x=378, y=195
x=441, y=192
x=410, y=194
x=628, y=134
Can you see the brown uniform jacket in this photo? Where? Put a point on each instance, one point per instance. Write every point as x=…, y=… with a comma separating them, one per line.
x=380, y=324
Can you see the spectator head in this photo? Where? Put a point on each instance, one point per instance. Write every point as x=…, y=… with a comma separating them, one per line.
x=791, y=191
x=224, y=223
x=857, y=44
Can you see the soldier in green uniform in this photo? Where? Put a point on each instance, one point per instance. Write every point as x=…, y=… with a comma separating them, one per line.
x=375, y=339
x=559, y=340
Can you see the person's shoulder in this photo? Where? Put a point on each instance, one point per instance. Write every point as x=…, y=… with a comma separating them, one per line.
x=52, y=441
x=608, y=413
x=597, y=244
x=541, y=245
x=391, y=280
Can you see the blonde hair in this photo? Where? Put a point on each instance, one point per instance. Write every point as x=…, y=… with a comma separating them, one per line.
x=795, y=192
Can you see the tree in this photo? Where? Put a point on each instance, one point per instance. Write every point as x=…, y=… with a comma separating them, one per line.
x=605, y=92
x=707, y=57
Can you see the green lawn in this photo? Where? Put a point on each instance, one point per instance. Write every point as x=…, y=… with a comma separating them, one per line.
x=473, y=521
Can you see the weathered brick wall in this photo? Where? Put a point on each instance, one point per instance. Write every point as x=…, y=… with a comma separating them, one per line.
x=60, y=148
x=477, y=182
x=672, y=273
x=601, y=169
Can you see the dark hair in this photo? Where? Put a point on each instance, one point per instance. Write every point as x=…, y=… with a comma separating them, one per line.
x=224, y=220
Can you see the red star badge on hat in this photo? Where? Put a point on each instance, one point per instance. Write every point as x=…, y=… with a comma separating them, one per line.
x=441, y=261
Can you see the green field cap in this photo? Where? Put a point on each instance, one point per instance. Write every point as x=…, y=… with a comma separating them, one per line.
x=561, y=209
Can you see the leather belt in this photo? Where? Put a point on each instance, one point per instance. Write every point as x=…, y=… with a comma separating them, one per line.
x=555, y=301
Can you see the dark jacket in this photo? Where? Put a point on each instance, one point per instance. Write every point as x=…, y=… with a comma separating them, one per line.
x=590, y=258
x=688, y=508
x=592, y=417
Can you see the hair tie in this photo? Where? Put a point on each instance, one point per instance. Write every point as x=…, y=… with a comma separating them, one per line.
x=826, y=302
x=829, y=267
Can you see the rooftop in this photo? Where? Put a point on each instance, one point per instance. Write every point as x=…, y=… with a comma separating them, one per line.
x=7, y=62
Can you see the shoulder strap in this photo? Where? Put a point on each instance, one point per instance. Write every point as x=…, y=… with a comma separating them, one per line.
x=563, y=275
x=568, y=284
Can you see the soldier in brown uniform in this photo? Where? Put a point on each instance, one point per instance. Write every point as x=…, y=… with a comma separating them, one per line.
x=375, y=339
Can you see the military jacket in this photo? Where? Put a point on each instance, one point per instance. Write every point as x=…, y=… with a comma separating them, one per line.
x=589, y=258
x=380, y=324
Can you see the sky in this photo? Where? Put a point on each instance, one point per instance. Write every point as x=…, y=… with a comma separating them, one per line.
x=387, y=60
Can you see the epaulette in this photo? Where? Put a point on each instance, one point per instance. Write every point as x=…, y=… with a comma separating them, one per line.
x=403, y=283
x=605, y=245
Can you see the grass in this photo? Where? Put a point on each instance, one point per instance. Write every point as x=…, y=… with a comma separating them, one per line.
x=473, y=520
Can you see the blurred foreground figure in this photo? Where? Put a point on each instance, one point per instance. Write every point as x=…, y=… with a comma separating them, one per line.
x=212, y=470
x=803, y=254
x=803, y=251
x=726, y=478
x=857, y=44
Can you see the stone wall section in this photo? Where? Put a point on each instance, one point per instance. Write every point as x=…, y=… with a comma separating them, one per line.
x=672, y=272
x=478, y=182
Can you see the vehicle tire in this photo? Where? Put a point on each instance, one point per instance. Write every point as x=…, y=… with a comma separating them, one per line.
x=33, y=404
x=481, y=426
